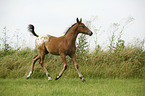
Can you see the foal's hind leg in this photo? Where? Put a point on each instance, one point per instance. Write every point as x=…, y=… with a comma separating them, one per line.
x=42, y=64
x=35, y=58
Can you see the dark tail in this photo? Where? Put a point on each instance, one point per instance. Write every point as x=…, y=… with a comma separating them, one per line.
x=31, y=29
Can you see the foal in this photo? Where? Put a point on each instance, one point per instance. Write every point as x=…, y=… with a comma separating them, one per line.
x=63, y=46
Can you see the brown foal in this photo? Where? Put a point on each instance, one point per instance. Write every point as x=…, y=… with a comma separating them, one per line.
x=63, y=46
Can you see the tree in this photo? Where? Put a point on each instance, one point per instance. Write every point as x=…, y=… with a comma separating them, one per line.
x=82, y=45
x=6, y=47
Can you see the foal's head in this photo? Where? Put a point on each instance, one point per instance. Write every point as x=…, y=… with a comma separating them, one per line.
x=83, y=29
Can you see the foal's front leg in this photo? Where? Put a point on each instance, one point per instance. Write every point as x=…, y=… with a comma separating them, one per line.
x=77, y=67
x=63, y=57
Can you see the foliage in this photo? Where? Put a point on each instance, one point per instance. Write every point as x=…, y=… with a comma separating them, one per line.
x=82, y=45
x=116, y=39
x=5, y=48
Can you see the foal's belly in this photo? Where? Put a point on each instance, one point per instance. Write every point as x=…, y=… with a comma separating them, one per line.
x=52, y=50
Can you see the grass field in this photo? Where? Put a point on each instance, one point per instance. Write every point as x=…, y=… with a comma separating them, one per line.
x=72, y=87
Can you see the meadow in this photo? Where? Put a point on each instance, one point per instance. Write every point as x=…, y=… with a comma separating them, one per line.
x=72, y=87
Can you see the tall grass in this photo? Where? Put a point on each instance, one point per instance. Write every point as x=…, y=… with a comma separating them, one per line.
x=127, y=63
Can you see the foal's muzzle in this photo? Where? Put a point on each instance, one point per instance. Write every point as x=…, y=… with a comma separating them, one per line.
x=90, y=33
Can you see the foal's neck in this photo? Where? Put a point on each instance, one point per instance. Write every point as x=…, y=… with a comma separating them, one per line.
x=72, y=34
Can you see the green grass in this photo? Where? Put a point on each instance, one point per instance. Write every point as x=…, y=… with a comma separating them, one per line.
x=72, y=87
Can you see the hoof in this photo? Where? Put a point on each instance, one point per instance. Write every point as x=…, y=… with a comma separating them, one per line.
x=83, y=80
x=49, y=78
x=27, y=78
x=57, y=78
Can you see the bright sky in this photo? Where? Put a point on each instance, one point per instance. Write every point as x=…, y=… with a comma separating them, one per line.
x=55, y=16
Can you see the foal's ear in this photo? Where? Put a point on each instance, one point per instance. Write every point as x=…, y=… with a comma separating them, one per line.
x=81, y=20
x=78, y=20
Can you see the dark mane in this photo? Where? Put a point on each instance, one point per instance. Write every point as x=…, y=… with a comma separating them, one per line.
x=69, y=28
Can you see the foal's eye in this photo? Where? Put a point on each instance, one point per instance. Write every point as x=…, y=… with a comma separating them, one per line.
x=83, y=26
